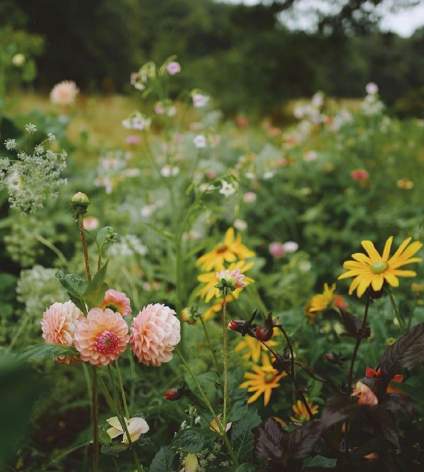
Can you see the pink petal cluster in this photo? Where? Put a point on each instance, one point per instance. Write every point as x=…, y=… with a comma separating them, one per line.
x=116, y=301
x=233, y=277
x=59, y=323
x=276, y=249
x=101, y=337
x=154, y=334
x=64, y=93
x=173, y=68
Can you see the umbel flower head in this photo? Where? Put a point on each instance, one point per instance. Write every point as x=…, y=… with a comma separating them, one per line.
x=101, y=337
x=59, y=323
x=373, y=269
x=116, y=301
x=154, y=334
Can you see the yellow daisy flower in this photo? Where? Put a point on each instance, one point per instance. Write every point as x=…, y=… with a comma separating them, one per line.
x=262, y=380
x=321, y=301
x=210, y=281
x=253, y=348
x=229, y=250
x=301, y=414
x=373, y=269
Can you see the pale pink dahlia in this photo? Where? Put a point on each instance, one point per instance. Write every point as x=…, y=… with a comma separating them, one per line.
x=59, y=323
x=116, y=301
x=154, y=334
x=101, y=337
x=64, y=93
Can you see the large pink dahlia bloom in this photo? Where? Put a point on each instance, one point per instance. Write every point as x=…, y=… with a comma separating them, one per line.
x=59, y=323
x=101, y=337
x=154, y=334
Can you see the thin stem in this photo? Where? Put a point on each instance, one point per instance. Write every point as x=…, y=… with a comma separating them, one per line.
x=123, y=421
x=95, y=419
x=396, y=311
x=121, y=388
x=208, y=340
x=84, y=248
x=358, y=343
x=225, y=357
x=220, y=424
x=52, y=247
x=293, y=372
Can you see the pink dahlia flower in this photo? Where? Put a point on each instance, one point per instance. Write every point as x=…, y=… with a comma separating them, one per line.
x=64, y=93
x=154, y=334
x=101, y=337
x=59, y=323
x=116, y=301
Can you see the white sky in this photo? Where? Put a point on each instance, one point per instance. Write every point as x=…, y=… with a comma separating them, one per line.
x=404, y=22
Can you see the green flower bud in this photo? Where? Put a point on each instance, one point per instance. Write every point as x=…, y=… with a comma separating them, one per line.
x=80, y=202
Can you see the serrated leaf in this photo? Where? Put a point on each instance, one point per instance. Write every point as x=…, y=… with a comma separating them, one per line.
x=406, y=353
x=75, y=285
x=246, y=424
x=40, y=352
x=302, y=441
x=163, y=461
x=190, y=440
x=272, y=442
x=96, y=288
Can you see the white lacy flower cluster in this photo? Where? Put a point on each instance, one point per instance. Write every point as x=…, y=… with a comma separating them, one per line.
x=128, y=246
x=32, y=178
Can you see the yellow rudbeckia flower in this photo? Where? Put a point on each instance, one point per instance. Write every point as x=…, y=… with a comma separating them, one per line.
x=373, y=269
x=230, y=250
x=262, y=380
x=301, y=414
x=252, y=348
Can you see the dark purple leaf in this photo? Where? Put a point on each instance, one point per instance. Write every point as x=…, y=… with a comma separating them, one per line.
x=272, y=442
x=353, y=325
x=406, y=353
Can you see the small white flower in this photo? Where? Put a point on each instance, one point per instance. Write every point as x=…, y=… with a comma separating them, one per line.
x=241, y=225
x=136, y=427
x=137, y=121
x=39, y=149
x=290, y=246
x=169, y=171
x=173, y=68
x=51, y=137
x=18, y=60
x=30, y=128
x=226, y=189
x=199, y=100
x=10, y=144
x=371, y=88
x=269, y=174
x=147, y=211
x=199, y=141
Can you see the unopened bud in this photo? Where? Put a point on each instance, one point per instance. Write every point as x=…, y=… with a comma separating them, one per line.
x=240, y=326
x=187, y=316
x=80, y=202
x=264, y=333
x=173, y=394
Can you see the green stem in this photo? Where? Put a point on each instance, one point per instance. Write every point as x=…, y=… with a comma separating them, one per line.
x=52, y=247
x=358, y=343
x=95, y=419
x=396, y=311
x=208, y=340
x=225, y=358
x=121, y=388
x=121, y=417
x=220, y=424
x=84, y=248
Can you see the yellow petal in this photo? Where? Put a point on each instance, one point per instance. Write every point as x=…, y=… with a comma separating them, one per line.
x=371, y=250
x=387, y=248
x=377, y=282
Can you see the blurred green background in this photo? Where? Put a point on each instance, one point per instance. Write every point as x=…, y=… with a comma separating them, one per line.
x=252, y=57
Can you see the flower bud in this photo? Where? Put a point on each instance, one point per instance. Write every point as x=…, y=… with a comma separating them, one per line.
x=187, y=316
x=264, y=333
x=191, y=463
x=173, y=394
x=80, y=202
x=240, y=326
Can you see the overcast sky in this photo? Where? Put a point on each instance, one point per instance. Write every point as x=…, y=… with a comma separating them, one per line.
x=404, y=23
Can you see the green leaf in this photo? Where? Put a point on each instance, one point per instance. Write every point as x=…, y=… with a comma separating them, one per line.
x=75, y=285
x=104, y=238
x=245, y=468
x=247, y=422
x=96, y=288
x=190, y=441
x=163, y=460
x=40, y=352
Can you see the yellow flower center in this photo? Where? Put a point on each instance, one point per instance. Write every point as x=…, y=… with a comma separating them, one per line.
x=379, y=267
